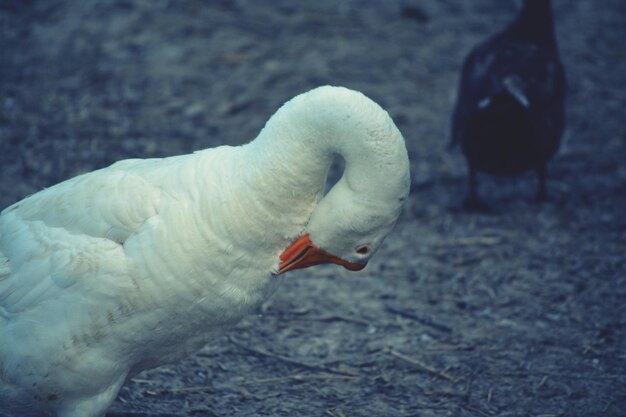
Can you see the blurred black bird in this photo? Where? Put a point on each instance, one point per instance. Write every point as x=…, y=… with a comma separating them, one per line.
x=509, y=114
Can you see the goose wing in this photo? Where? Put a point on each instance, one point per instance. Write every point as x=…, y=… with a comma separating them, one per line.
x=72, y=232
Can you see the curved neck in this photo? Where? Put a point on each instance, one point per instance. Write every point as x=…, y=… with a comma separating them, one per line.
x=290, y=159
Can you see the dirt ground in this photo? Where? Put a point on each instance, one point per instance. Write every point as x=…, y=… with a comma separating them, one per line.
x=518, y=312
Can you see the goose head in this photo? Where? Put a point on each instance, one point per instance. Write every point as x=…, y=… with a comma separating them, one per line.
x=349, y=223
x=347, y=236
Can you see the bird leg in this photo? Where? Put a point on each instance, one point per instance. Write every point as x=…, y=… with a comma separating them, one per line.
x=472, y=202
x=542, y=194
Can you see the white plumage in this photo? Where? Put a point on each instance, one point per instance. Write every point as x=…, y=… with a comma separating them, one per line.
x=141, y=263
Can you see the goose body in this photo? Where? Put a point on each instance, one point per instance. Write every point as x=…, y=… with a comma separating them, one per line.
x=509, y=114
x=143, y=262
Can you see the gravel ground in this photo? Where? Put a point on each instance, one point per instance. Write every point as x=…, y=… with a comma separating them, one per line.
x=519, y=312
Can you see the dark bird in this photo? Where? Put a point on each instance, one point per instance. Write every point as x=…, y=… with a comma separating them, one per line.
x=509, y=114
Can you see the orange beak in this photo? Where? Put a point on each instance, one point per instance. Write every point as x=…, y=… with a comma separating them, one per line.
x=303, y=253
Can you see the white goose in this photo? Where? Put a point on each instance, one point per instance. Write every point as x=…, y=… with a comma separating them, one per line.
x=141, y=263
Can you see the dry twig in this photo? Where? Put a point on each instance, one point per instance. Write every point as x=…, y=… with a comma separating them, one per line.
x=291, y=361
x=337, y=317
x=526, y=374
x=200, y=388
x=413, y=316
x=299, y=377
x=332, y=414
x=423, y=366
x=472, y=240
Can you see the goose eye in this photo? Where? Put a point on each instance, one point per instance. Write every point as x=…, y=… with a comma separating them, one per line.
x=363, y=250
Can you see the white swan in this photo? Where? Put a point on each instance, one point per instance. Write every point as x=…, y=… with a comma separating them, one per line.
x=140, y=263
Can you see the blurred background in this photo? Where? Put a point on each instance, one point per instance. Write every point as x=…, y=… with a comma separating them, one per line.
x=519, y=312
